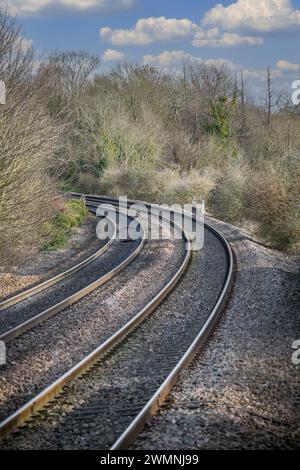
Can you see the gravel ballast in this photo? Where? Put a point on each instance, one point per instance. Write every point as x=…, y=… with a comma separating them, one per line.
x=39, y=356
x=97, y=407
x=37, y=303
x=46, y=264
x=242, y=392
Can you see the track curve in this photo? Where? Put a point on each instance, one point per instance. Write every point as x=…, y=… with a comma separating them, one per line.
x=142, y=411
x=28, y=309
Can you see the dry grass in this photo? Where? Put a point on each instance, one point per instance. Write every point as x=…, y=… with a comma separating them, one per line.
x=226, y=201
x=274, y=203
x=161, y=186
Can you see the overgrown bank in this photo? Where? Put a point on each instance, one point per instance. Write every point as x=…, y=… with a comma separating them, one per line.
x=164, y=138
x=57, y=231
x=140, y=132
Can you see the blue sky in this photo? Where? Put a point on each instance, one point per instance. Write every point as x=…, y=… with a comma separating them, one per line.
x=247, y=33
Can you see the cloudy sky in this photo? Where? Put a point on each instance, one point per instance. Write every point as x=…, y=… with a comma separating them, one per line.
x=248, y=33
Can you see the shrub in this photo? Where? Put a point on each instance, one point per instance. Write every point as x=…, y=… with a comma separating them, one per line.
x=88, y=184
x=274, y=202
x=181, y=188
x=128, y=143
x=226, y=200
x=216, y=153
x=182, y=151
x=56, y=236
x=133, y=182
x=168, y=186
x=57, y=232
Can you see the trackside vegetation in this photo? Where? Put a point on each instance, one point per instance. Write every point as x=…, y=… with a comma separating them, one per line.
x=141, y=132
x=58, y=231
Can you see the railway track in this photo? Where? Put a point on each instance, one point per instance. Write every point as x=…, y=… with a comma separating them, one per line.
x=33, y=306
x=124, y=381
x=13, y=300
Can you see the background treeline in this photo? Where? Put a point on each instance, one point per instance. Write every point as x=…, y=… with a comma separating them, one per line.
x=144, y=133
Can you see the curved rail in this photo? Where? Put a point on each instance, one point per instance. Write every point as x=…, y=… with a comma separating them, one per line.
x=59, y=277
x=38, y=402
x=160, y=395
x=53, y=310
x=158, y=398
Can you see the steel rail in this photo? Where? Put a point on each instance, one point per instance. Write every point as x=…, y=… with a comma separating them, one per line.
x=59, y=277
x=54, y=309
x=159, y=397
x=21, y=415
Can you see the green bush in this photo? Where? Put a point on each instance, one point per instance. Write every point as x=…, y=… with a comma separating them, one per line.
x=58, y=232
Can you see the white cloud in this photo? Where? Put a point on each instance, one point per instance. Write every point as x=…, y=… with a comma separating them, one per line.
x=111, y=55
x=262, y=15
x=121, y=37
x=173, y=60
x=169, y=58
x=149, y=30
x=258, y=74
x=39, y=7
x=213, y=38
x=26, y=43
x=287, y=66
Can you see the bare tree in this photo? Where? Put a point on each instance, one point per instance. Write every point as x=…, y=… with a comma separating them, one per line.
x=243, y=105
x=74, y=69
x=8, y=33
x=28, y=137
x=269, y=97
x=212, y=80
